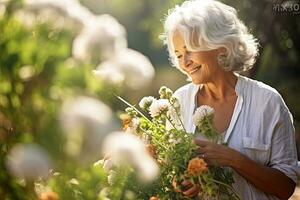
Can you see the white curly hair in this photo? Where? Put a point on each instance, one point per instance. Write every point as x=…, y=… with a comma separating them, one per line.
x=207, y=25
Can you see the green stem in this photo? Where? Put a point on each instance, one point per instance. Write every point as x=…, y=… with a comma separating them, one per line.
x=162, y=146
x=228, y=186
x=181, y=123
x=124, y=101
x=174, y=126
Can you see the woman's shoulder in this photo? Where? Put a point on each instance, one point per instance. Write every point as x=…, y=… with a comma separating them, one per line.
x=261, y=93
x=257, y=89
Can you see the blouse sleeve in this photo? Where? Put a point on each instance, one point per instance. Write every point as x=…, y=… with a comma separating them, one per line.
x=283, y=154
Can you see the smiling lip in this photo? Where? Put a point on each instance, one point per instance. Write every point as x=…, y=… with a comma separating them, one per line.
x=195, y=69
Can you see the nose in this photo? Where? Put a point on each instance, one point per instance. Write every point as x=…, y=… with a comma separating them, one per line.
x=187, y=61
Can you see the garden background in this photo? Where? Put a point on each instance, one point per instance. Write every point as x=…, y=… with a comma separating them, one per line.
x=39, y=70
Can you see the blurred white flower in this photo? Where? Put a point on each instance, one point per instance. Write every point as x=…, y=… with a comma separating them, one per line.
x=101, y=38
x=28, y=19
x=104, y=193
x=28, y=161
x=74, y=181
x=68, y=8
x=98, y=163
x=108, y=164
x=201, y=112
x=60, y=14
x=40, y=188
x=111, y=177
x=110, y=74
x=146, y=102
x=86, y=121
x=126, y=148
x=158, y=107
x=2, y=9
x=26, y=72
x=135, y=67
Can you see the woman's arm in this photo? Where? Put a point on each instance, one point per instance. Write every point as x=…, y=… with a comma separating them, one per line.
x=267, y=179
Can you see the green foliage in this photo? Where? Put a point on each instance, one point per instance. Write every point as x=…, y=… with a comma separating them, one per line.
x=79, y=183
x=36, y=75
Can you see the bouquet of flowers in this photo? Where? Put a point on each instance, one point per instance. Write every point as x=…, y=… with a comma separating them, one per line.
x=174, y=150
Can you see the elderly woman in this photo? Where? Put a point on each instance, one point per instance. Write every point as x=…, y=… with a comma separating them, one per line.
x=208, y=42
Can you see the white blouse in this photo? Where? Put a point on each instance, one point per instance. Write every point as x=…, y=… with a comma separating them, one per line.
x=261, y=127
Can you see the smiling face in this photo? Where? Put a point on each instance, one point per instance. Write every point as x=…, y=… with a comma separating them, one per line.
x=201, y=66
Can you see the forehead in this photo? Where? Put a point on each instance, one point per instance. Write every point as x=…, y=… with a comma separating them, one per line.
x=178, y=41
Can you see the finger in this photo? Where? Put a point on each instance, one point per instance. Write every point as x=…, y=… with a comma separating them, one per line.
x=192, y=191
x=186, y=183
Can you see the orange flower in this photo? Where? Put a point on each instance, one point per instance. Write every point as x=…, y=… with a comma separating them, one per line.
x=154, y=198
x=49, y=196
x=196, y=166
x=126, y=120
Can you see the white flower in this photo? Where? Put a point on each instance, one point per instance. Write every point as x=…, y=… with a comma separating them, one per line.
x=105, y=163
x=111, y=177
x=165, y=92
x=74, y=181
x=28, y=19
x=26, y=72
x=108, y=164
x=109, y=74
x=201, y=112
x=104, y=192
x=174, y=141
x=135, y=67
x=40, y=188
x=68, y=8
x=60, y=14
x=98, y=163
x=126, y=148
x=86, y=121
x=28, y=161
x=159, y=106
x=146, y=102
x=2, y=9
x=101, y=38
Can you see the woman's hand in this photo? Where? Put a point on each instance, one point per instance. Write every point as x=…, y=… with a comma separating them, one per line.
x=267, y=179
x=190, y=190
x=216, y=154
x=186, y=187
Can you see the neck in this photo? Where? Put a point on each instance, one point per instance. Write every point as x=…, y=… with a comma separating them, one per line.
x=221, y=87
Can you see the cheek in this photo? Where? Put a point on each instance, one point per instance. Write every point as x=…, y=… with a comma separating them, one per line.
x=207, y=57
x=181, y=66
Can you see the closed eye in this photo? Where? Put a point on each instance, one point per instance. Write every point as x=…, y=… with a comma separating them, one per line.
x=179, y=56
